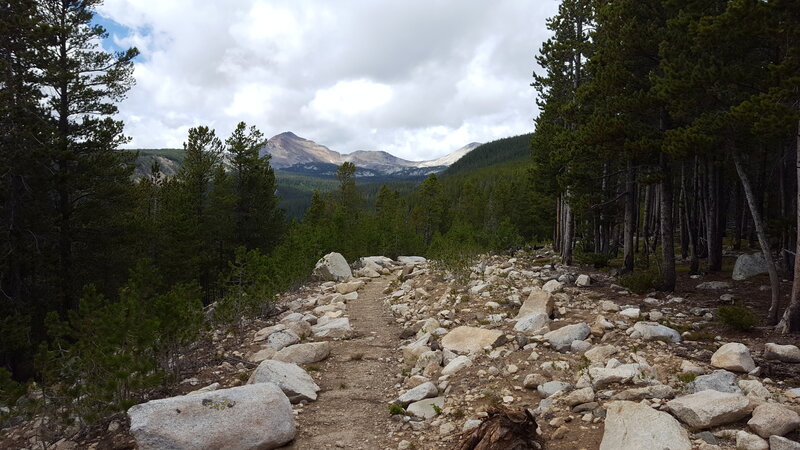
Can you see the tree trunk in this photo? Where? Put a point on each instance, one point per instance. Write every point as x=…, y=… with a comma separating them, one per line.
x=667, y=229
x=630, y=219
x=790, y=322
x=713, y=234
x=566, y=251
x=772, y=315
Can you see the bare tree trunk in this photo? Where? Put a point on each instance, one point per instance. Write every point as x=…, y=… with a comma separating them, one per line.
x=790, y=322
x=667, y=229
x=630, y=219
x=772, y=315
x=713, y=235
x=566, y=251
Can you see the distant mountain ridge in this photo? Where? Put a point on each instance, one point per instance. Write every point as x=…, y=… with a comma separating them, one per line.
x=293, y=153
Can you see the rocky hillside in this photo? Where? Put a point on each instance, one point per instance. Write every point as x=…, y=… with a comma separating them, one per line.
x=407, y=354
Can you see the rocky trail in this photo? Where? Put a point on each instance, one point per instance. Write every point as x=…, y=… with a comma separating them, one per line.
x=355, y=380
x=407, y=354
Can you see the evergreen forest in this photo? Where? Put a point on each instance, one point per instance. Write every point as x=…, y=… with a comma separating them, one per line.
x=667, y=132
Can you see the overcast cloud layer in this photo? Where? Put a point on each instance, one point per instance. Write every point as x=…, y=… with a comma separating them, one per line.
x=416, y=78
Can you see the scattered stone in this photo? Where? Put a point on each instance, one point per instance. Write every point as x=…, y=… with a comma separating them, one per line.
x=689, y=367
x=252, y=416
x=754, y=389
x=748, y=441
x=552, y=387
x=411, y=260
x=602, y=377
x=601, y=353
x=647, y=392
x=456, y=365
x=425, y=408
x=733, y=356
x=553, y=286
x=533, y=380
x=579, y=347
x=423, y=391
x=333, y=329
x=608, y=306
x=261, y=355
x=332, y=267
x=781, y=443
x=749, y=265
x=532, y=322
x=771, y=418
x=304, y=353
x=561, y=339
x=718, y=380
x=651, y=331
x=714, y=285
x=785, y=353
x=579, y=396
x=291, y=378
x=466, y=339
x=583, y=281
x=631, y=313
x=708, y=409
x=281, y=339
x=346, y=288
x=633, y=426
x=539, y=302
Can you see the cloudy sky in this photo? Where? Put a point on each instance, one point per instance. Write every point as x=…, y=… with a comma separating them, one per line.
x=416, y=78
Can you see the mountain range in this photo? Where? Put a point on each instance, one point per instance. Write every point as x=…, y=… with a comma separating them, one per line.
x=292, y=153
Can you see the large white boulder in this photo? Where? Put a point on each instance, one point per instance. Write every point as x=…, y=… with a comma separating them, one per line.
x=295, y=382
x=708, y=409
x=749, y=265
x=245, y=417
x=733, y=356
x=633, y=426
x=332, y=267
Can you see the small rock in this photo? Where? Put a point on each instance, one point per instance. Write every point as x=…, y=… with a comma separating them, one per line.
x=630, y=426
x=561, y=339
x=771, y=418
x=718, y=380
x=748, y=441
x=423, y=391
x=781, y=443
x=552, y=387
x=707, y=409
x=785, y=353
x=733, y=356
x=425, y=408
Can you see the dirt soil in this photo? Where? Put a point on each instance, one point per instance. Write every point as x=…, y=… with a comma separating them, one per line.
x=357, y=381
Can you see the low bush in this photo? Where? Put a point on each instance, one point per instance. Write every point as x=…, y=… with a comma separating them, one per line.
x=737, y=317
x=641, y=282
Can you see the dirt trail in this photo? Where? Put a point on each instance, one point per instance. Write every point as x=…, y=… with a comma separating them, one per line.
x=357, y=381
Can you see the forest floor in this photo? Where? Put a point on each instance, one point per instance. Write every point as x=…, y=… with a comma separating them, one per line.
x=365, y=373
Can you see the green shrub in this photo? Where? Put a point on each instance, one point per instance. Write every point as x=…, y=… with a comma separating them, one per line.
x=395, y=409
x=686, y=377
x=641, y=282
x=596, y=260
x=738, y=317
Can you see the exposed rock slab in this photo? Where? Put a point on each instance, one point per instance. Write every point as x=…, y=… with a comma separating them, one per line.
x=245, y=417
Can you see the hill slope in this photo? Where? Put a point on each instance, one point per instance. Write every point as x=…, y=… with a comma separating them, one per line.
x=515, y=148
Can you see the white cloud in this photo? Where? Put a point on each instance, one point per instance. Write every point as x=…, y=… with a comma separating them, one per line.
x=417, y=78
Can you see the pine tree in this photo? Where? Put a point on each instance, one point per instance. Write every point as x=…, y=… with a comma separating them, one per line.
x=83, y=84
